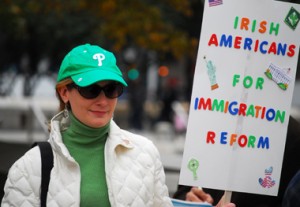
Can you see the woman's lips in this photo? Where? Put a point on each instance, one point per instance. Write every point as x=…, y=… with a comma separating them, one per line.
x=98, y=113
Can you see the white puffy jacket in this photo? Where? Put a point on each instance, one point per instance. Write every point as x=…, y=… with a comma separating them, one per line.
x=134, y=173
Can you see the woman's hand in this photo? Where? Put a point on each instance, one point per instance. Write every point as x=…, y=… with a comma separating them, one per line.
x=198, y=195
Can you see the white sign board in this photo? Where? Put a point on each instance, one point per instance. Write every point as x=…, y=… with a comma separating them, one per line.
x=242, y=94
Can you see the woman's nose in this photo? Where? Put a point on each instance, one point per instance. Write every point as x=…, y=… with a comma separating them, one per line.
x=102, y=97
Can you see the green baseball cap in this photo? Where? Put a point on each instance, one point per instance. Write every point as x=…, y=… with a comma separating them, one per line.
x=88, y=64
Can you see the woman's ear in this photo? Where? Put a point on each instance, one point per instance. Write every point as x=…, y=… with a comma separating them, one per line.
x=63, y=93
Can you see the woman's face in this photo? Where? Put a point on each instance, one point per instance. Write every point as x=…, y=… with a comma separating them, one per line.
x=95, y=112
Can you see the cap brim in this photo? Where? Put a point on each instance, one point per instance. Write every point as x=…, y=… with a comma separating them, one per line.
x=94, y=76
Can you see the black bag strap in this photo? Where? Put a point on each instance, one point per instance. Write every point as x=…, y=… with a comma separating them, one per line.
x=47, y=164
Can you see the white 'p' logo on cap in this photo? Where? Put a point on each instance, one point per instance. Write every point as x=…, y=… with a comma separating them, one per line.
x=99, y=57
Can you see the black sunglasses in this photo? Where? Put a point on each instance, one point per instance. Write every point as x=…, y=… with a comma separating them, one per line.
x=111, y=90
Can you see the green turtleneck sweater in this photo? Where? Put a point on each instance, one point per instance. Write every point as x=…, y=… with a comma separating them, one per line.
x=86, y=146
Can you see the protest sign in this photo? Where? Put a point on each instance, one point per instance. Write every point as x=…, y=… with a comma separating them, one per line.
x=242, y=93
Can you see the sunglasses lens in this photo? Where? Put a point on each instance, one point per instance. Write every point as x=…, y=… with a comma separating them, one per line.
x=90, y=92
x=112, y=90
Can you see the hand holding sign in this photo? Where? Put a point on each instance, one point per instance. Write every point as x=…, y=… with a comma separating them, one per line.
x=198, y=195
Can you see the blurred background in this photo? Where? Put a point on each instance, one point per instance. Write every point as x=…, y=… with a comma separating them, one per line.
x=155, y=42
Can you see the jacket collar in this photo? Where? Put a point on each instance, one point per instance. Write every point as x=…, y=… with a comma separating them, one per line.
x=115, y=138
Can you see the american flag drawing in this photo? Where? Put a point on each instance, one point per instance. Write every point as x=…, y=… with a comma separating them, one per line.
x=267, y=182
x=215, y=2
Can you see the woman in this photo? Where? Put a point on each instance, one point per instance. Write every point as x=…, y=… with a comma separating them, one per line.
x=95, y=162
